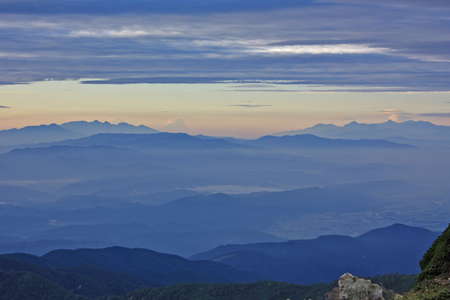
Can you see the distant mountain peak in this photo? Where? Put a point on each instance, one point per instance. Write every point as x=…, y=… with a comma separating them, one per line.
x=105, y=124
x=353, y=123
x=69, y=130
x=389, y=130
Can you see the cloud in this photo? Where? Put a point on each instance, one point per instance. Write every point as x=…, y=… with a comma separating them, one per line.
x=177, y=125
x=397, y=115
x=423, y=3
x=4, y=107
x=250, y=105
x=320, y=49
x=400, y=116
x=16, y=55
x=308, y=42
x=27, y=24
x=305, y=84
x=337, y=45
x=122, y=33
x=159, y=80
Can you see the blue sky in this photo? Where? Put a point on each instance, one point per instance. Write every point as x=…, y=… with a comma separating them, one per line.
x=333, y=46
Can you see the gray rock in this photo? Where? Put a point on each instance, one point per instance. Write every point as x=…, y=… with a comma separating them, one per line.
x=353, y=288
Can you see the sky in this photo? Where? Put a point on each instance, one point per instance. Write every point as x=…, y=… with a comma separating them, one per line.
x=224, y=67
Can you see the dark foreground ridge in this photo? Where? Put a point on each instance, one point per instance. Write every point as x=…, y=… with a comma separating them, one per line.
x=115, y=270
x=137, y=274
x=434, y=281
x=393, y=249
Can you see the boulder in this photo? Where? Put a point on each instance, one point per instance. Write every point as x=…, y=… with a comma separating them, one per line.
x=354, y=288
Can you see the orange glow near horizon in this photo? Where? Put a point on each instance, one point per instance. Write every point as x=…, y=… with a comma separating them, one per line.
x=210, y=109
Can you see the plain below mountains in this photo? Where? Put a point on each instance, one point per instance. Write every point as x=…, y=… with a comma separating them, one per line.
x=197, y=223
x=394, y=249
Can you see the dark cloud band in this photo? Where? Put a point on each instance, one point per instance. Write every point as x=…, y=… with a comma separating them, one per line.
x=105, y=7
x=331, y=43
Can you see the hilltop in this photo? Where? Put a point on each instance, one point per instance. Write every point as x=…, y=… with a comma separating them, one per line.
x=434, y=280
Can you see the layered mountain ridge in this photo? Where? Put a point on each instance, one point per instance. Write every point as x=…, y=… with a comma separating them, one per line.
x=69, y=130
x=390, y=130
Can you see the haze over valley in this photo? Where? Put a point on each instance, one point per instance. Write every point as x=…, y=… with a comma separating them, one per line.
x=100, y=184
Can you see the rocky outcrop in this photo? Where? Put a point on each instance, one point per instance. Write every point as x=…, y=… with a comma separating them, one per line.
x=353, y=288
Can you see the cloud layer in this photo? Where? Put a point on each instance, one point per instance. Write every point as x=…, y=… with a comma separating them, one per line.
x=106, y=7
x=249, y=105
x=397, y=115
x=352, y=44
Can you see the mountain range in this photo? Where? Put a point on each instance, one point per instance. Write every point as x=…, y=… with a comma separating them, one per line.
x=123, y=274
x=70, y=130
x=105, y=133
x=369, y=135
x=118, y=273
x=390, y=130
x=394, y=249
x=177, y=193
x=116, y=270
x=163, y=140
